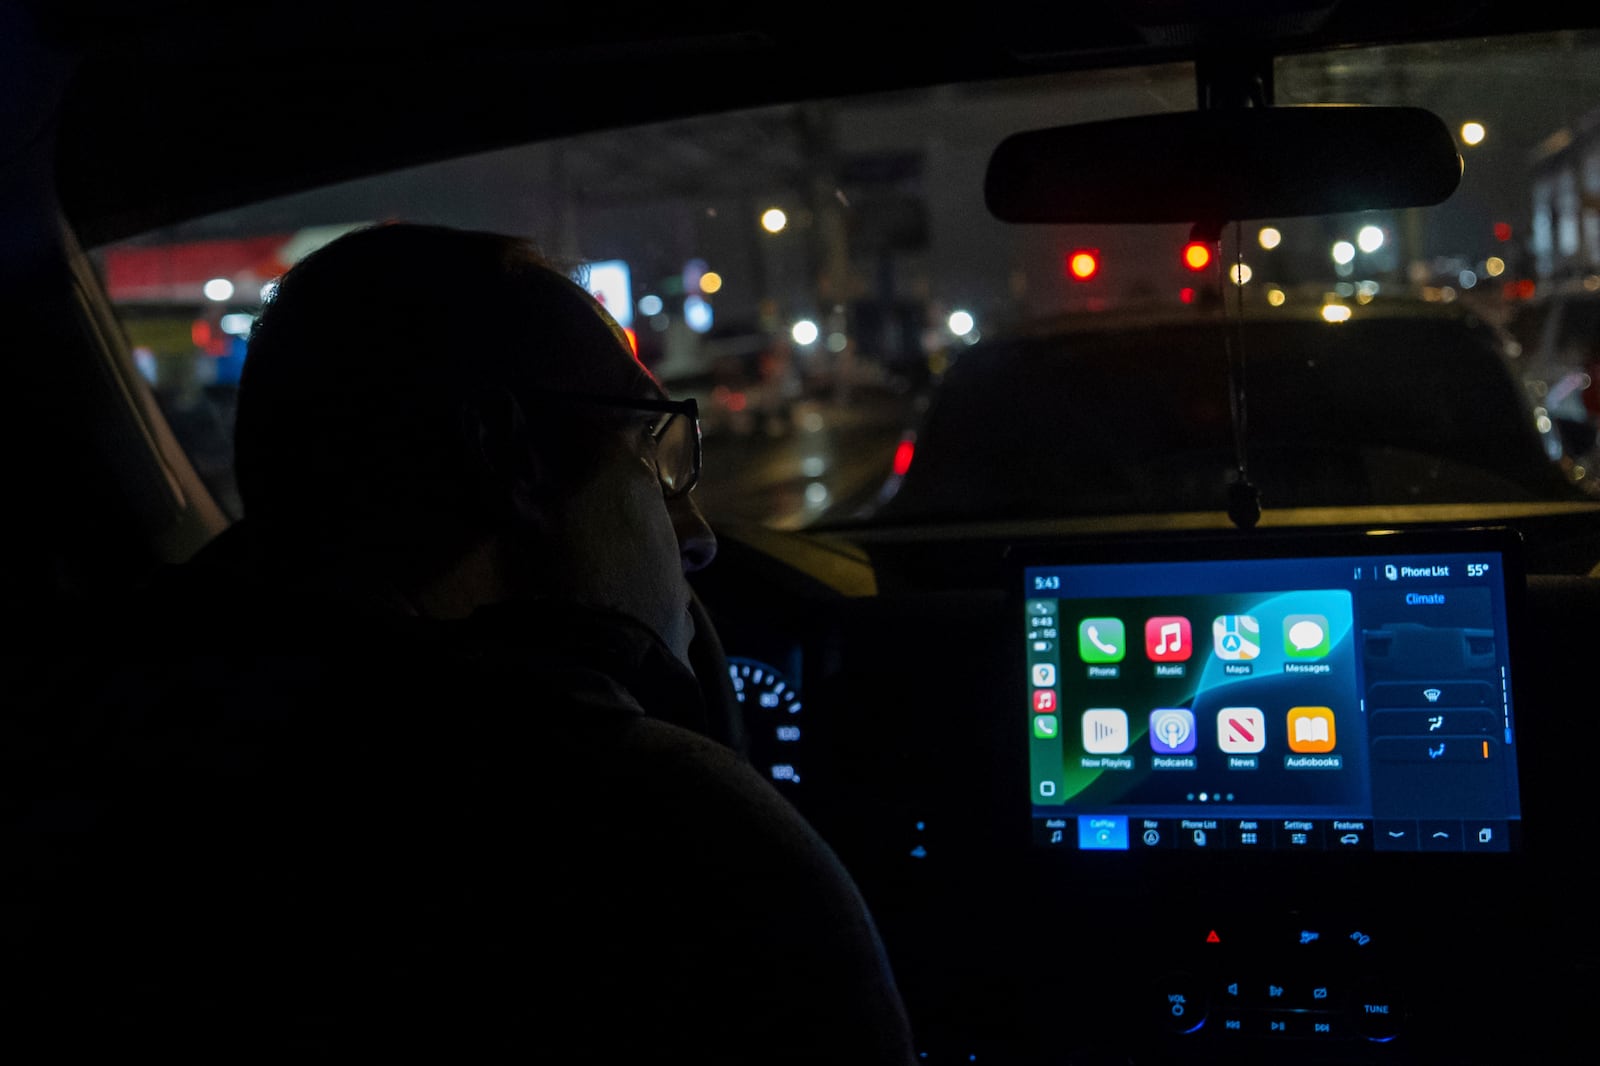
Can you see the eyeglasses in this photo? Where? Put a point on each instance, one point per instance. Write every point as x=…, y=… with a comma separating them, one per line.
x=676, y=435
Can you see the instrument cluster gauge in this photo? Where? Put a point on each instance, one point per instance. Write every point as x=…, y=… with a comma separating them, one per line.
x=772, y=715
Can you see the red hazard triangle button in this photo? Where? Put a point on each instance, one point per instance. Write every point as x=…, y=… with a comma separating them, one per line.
x=1213, y=938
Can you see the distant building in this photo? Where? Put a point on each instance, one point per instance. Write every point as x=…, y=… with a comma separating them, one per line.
x=1565, y=238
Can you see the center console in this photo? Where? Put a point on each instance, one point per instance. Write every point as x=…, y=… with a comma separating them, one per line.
x=1275, y=785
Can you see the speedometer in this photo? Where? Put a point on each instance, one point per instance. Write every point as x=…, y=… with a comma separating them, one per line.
x=771, y=704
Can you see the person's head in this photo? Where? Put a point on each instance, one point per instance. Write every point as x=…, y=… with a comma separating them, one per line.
x=428, y=407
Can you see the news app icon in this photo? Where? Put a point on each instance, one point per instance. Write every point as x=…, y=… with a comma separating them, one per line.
x=1105, y=731
x=1172, y=731
x=1311, y=729
x=1167, y=639
x=1237, y=637
x=1241, y=730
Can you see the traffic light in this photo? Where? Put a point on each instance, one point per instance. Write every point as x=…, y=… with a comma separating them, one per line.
x=1197, y=255
x=1083, y=264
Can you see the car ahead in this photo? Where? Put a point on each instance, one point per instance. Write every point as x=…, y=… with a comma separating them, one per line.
x=1127, y=770
x=1557, y=332
x=1390, y=402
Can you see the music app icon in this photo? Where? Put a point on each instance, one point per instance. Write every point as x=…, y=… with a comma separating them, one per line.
x=1167, y=639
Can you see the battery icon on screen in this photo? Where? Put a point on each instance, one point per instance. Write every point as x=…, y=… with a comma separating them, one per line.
x=1041, y=645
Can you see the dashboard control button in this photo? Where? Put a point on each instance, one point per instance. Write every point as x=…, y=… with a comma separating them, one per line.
x=1396, y=835
x=1308, y=939
x=1361, y=938
x=1298, y=834
x=1274, y=994
x=1423, y=694
x=1321, y=996
x=1439, y=835
x=1349, y=834
x=1377, y=1012
x=1250, y=834
x=1152, y=833
x=1485, y=836
x=1182, y=1003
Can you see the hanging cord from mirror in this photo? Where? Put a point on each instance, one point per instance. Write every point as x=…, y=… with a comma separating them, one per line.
x=1226, y=80
x=1244, y=499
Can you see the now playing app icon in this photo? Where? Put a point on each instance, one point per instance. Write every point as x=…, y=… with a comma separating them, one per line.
x=1105, y=731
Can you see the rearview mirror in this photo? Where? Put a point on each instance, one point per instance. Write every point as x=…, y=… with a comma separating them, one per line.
x=1219, y=166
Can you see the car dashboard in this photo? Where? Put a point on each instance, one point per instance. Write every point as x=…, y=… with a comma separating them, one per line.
x=1310, y=794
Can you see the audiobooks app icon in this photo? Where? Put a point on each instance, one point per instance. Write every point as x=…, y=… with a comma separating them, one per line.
x=1311, y=729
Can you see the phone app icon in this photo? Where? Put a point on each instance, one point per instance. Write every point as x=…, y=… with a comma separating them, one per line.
x=1172, y=731
x=1105, y=731
x=1237, y=637
x=1046, y=726
x=1311, y=729
x=1241, y=730
x=1044, y=700
x=1305, y=636
x=1044, y=674
x=1167, y=639
x=1101, y=640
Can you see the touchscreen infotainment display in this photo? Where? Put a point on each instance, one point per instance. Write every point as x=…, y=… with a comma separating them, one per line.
x=1339, y=695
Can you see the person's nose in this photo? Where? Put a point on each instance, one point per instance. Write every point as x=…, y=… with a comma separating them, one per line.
x=697, y=545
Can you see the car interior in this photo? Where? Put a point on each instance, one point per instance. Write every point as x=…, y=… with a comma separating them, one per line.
x=1243, y=744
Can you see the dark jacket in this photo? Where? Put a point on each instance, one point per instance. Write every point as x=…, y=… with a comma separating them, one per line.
x=284, y=824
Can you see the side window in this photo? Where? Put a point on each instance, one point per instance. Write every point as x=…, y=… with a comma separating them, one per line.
x=186, y=306
x=192, y=364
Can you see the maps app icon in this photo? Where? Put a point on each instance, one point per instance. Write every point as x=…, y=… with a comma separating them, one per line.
x=1237, y=636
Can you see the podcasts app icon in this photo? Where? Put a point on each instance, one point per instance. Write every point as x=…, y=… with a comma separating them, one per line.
x=1172, y=731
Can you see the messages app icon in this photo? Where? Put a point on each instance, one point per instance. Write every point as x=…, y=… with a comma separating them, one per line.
x=1305, y=636
x=1101, y=640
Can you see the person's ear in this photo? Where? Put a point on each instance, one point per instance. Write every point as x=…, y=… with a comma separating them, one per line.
x=510, y=473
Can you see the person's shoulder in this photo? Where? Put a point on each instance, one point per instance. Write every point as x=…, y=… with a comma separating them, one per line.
x=705, y=778
x=698, y=811
x=733, y=878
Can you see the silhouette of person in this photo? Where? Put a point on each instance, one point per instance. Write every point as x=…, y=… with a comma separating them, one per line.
x=414, y=759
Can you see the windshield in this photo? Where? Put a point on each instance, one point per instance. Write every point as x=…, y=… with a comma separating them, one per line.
x=867, y=345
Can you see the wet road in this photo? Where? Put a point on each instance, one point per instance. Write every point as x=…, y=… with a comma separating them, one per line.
x=824, y=460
